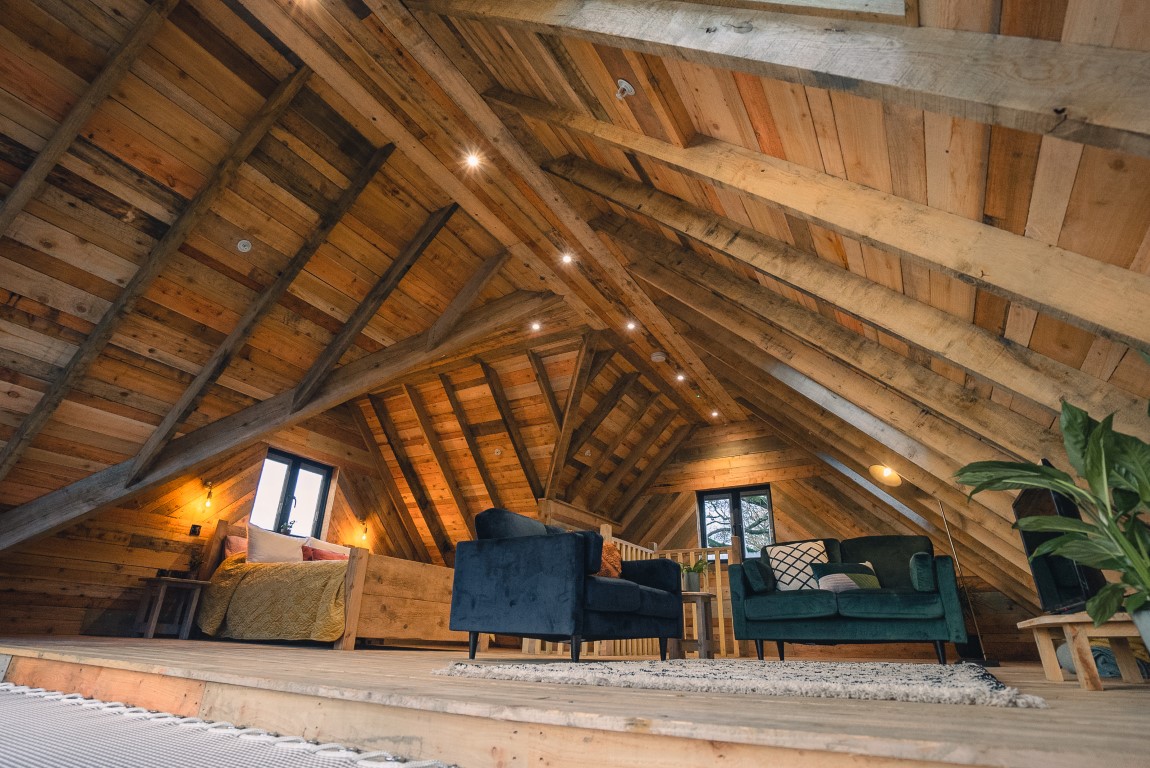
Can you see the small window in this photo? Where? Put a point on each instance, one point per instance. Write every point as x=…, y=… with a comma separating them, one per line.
x=743, y=512
x=292, y=495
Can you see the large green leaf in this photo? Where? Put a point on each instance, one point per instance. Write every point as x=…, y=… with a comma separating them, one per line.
x=1011, y=475
x=1106, y=603
x=1097, y=469
x=1055, y=524
x=1136, y=600
x=1130, y=465
x=1076, y=426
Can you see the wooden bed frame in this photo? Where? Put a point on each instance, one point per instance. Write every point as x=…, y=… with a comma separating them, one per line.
x=386, y=599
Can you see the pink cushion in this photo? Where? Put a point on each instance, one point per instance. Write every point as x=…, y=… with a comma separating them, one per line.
x=234, y=545
x=311, y=553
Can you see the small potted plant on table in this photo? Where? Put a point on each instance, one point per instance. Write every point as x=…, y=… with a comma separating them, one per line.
x=691, y=574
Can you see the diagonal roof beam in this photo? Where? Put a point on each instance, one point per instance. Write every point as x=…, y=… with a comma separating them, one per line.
x=1104, y=298
x=951, y=338
x=631, y=459
x=467, y=295
x=472, y=442
x=118, y=65
x=371, y=303
x=419, y=45
x=650, y=472
x=487, y=327
x=152, y=265
x=604, y=407
x=1082, y=93
x=518, y=444
x=579, y=484
x=579, y=381
x=544, y=382
x=255, y=312
x=427, y=427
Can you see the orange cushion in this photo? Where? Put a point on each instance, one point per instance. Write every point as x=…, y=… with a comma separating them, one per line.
x=612, y=561
x=312, y=553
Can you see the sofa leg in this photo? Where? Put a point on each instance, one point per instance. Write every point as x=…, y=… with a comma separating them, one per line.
x=759, y=649
x=662, y=649
x=779, y=645
x=940, y=651
x=472, y=644
x=576, y=646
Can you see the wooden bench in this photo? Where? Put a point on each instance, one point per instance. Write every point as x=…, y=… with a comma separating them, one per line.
x=1078, y=628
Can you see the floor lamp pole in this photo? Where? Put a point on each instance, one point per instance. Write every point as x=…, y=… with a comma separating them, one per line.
x=965, y=587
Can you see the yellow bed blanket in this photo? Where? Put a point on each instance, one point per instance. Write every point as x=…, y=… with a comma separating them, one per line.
x=275, y=601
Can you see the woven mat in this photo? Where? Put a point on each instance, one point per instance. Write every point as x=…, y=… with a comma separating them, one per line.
x=885, y=681
x=44, y=729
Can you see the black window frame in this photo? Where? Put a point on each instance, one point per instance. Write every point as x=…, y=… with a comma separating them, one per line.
x=285, y=506
x=734, y=494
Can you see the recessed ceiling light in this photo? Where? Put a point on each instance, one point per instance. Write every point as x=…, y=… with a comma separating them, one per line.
x=567, y=258
x=472, y=160
x=535, y=326
x=631, y=325
x=715, y=414
x=243, y=246
x=680, y=376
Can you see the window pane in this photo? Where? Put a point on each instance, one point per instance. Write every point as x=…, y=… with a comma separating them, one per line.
x=758, y=530
x=269, y=494
x=717, y=520
x=308, y=504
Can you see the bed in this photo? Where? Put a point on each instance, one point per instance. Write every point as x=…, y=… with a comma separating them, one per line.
x=373, y=598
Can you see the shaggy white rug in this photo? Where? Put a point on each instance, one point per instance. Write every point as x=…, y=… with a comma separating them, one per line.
x=923, y=683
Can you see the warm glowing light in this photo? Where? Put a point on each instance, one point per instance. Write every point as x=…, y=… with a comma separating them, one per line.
x=885, y=475
x=208, y=500
x=536, y=326
x=715, y=414
x=680, y=377
x=364, y=536
x=631, y=325
x=472, y=160
x=567, y=258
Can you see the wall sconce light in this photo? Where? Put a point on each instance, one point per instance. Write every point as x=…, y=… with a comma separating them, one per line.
x=364, y=536
x=208, y=501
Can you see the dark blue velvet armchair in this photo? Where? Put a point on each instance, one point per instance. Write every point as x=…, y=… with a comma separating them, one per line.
x=520, y=577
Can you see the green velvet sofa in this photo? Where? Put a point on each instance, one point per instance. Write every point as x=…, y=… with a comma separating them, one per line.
x=917, y=602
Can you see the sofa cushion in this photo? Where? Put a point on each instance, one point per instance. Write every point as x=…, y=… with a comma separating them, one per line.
x=757, y=571
x=611, y=595
x=612, y=562
x=791, y=564
x=889, y=554
x=498, y=523
x=922, y=572
x=842, y=577
x=794, y=604
x=890, y=604
x=658, y=602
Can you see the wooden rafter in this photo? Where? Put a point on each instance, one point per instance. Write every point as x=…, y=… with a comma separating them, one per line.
x=650, y=472
x=630, y=460
x=548, y=392
x=1106, y=102
x=467, y=295
x=424, y=508
x=680, y=273
x=117, y=66
x=485, y=475
x=511, y=426
x=940, y=333
x=254, y=313
x=419, y=45
x=397, y=518
x=579, y=381
x=1103, y=298
x=152, y=265
x=606, y=404
x=371, y=303
x=431, y=437
x=672, y=390
x=484, y=328
x=588, y=473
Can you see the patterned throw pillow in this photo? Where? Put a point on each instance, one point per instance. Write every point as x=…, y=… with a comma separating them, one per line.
x=612, y=561
x=791, y=564
x=843, y=577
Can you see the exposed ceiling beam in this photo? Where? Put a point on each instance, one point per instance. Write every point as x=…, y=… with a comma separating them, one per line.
x=579, y=484
x=150, y=267
x=255, y=312
x=1103, y=298
x=423, y=504
x=606, y=404
x=388, y=282
x=629, y=461
x=467, y=295
x=544, y=382
x=473, y=447
x=940, y=333
x=420, y=46
x=1083, y=93
x=511, y=426
x=114, y=70
x=431, y=437
x=651, y=472
x=486, y=326
x=664, y=265
x=579, y=381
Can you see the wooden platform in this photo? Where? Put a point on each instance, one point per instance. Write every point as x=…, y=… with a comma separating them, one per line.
x=389, y=699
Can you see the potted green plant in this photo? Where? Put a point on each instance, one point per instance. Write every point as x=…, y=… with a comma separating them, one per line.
x=1113, y=496
x=691, y=574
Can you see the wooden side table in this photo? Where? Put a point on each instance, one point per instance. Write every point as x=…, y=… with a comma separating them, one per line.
x=187, y=595
x=705, y=644
x=1078, y=628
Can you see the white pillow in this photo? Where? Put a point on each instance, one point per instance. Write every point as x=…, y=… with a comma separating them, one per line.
x=267, y=547
x=791, y=564
x=327, y=546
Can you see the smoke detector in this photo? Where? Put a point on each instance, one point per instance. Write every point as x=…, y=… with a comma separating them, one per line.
x=658, y=356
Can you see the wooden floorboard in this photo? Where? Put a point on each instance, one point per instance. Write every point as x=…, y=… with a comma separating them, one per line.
x=356, y=696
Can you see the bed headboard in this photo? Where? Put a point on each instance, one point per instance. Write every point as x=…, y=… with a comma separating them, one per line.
x=214, y=548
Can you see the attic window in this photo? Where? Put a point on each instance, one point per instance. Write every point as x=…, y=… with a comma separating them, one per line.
x=744, y=512
x=292, y=495
x=890, y=11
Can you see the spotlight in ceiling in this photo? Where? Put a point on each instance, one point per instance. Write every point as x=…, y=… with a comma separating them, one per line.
x=567, y=258
x=472, y=160
x=714, y=414
x=631, y=325
x=885, y=475
x=535, y=326
x=680, y=376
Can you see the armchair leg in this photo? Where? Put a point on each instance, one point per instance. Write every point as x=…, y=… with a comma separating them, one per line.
x=576, y=646
x=940, y=650
x=779, y=645
x=759, y=649
x=472, y=644
x=662, y=649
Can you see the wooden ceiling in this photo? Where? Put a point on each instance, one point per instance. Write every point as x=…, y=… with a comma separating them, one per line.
x=906, y=259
